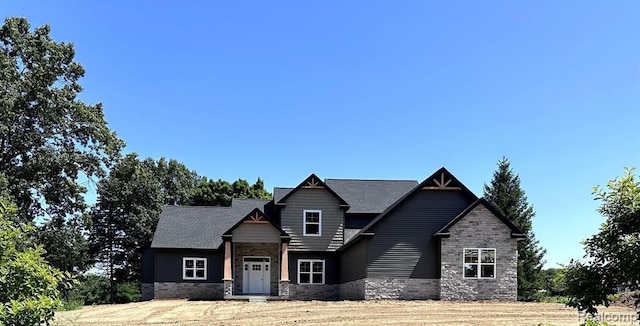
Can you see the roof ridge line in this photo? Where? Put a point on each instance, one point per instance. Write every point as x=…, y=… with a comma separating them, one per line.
x=373, y=179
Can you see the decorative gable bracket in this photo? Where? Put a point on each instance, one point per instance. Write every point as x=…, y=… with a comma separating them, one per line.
x=313, y=182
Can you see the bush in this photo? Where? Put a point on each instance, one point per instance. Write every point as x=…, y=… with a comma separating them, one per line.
x=29, y=287
x=594, y=322
x=128, y=292
x=89, y=289
x=94, y=289
x=71, y=304
x=555, y=299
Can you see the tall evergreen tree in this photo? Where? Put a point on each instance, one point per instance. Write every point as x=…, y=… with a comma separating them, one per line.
x=505, y=193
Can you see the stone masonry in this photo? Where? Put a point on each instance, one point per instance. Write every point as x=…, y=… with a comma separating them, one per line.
x=193, y=291
x=314, y=291
x=283, y=289
x=147, y=291
x=479, y=229
x=353, y=290
x=403, y=289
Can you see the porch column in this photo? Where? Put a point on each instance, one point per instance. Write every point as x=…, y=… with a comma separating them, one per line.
x=283, y=285
x=227, y=278
x=284, y=267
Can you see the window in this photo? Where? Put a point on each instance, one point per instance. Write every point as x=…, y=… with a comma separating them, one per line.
x=479, y=263
x=310, y=271
x=312, y=220
x=194, y=268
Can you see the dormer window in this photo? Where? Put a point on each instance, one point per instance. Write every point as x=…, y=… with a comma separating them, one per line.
x=312, y=222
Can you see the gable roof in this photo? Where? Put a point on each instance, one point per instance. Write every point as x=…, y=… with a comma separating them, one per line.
x=257, y=216
x=313, y=182
x=440, y=180
x=279, y=193
x=370, y=196
x=515, y=232
x=199, y=227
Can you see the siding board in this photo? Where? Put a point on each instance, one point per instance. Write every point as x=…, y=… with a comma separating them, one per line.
x=353, y=262
x=169, y=265
x=403, y=246
x=253, y=232
x=148, y=262
x=332, y=220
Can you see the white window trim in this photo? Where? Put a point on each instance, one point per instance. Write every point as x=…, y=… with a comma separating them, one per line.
x=480, y=263
x=304, y=222
x=311, y=261
x=184, y=268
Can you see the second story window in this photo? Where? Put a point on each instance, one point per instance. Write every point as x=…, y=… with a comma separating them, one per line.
x=312, y=222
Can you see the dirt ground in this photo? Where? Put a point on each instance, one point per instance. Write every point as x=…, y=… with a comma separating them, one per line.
x=182, y=312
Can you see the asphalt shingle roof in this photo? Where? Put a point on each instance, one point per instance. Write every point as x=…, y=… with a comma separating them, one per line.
x=370, y=196
x=200, y=227
x=279, y=193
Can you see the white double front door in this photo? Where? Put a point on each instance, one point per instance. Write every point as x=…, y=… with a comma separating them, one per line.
x=256, y=275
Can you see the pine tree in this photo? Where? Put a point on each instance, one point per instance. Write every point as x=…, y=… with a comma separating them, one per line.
x=505, y=193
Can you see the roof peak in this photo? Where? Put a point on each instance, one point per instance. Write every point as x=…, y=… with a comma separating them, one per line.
x=395, y=180
x=195, y=206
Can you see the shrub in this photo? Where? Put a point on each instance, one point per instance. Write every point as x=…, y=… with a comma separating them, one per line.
x=29, y=286
x=128, y=292
x=594, y=322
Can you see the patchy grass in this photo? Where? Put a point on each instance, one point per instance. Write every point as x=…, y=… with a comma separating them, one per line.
x=182, y=312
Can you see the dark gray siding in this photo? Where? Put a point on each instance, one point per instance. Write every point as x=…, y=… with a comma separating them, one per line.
x=332, y=218
x=358, y=221
x=403, y=246
x=331, y=265
x=353, y=262
x=254, y=232
x=148, y=261
x=169, y=265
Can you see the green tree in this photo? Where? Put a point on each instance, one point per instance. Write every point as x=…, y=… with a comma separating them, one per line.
x=67, y=244
x=614, y=252
x=220, y=192
x=555, y=281
x=177, y=181
x=212, y=193
x=48, y=137
x=505, y=193
x=29, y=286
x=125, y=216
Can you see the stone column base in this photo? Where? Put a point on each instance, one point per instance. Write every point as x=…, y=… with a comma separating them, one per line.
x=283, y=289
x=228, y=288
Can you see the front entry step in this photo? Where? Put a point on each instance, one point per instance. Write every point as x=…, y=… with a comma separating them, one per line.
x=260, y=299
x=255, y=298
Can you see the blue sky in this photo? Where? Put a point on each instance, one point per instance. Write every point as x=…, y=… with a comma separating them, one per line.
x=372, y=89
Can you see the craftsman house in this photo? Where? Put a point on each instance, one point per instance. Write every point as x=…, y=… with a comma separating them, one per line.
x=338, y=239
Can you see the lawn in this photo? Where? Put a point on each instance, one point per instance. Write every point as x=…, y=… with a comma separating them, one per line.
x=182, y=312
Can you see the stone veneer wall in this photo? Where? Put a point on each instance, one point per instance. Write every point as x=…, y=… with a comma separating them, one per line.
x=147, y=291
x=353, y=290
x=403, y=289
x=193, y=291
x=479, y=229
x=256, y=249
x=314, y=291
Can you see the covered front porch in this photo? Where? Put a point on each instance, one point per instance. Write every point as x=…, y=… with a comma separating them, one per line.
x=256, y=260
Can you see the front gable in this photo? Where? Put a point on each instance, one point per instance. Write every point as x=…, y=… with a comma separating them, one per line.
x=326, y=209
x=479, y=204
x=256, y=227
x=478, y=230
x=441, y=180
x=313, y=182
